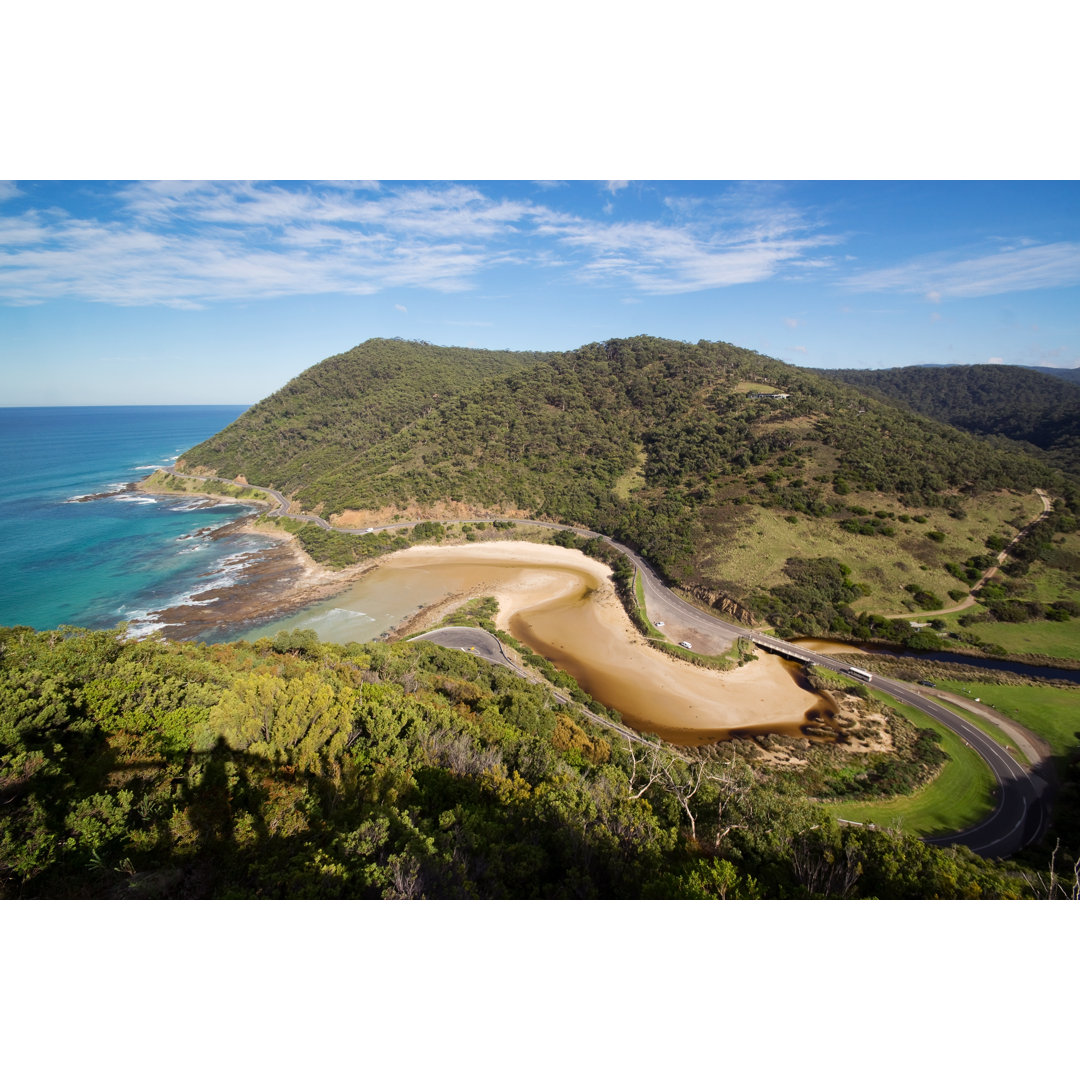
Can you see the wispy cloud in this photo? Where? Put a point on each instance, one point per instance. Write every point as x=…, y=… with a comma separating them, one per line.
x=8, y=190
x=401, y=308
x=192, y=243
x=187, y=244
x=711, y=245
x=944, y=276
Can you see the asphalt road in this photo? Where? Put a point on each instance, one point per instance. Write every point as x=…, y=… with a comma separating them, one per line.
x=1022, y=811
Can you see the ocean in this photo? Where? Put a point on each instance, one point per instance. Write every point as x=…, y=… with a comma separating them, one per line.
x=112, y=560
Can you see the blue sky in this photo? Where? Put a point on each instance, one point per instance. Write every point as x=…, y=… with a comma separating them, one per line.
x=161, y=292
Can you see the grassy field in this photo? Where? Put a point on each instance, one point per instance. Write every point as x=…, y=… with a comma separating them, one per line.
x=1046, y=584
x=639, y=594
x=633, y=478
x=962, y=794
x=1050, y=711
x=176, y=485
x=886, y=564
x=1041, y=638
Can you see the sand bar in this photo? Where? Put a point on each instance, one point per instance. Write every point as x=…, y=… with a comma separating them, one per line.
x=563, y=605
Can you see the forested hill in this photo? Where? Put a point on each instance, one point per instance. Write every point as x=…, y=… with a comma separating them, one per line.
x=1071, y=375
x=660, y=443
x=346, y=404
x=1038, y=410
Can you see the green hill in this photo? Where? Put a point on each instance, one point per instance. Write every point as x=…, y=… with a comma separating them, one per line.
x=1030, y=407
x=1070, y=375
x=343, y=406
x=664, y=444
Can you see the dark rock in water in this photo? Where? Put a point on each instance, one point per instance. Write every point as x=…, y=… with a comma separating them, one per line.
x=269, y=585
x=102, y=494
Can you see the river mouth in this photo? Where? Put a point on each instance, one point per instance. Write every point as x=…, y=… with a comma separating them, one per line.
x=683, y=703
x=564, y=607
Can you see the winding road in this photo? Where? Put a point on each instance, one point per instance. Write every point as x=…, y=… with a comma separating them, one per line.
x=1021, y=814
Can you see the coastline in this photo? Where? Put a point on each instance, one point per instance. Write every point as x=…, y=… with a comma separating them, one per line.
x=702, y=704
x=271, y=584
x=689, y=704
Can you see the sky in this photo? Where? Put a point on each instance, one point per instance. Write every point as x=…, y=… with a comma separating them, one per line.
x=158, y=292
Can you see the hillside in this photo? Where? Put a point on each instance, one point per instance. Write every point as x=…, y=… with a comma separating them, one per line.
x=289, y=769
x=1070, y=375
x=337, y=409
x=659, y=443
x=1038, y=410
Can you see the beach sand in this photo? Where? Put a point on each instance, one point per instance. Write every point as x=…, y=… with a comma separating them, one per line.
x=556, y=600
x=592, y=637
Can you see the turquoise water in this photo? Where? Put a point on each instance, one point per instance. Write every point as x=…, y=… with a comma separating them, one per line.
x=99, y=563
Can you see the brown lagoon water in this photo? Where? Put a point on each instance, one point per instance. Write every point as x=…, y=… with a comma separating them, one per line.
x=570, y=615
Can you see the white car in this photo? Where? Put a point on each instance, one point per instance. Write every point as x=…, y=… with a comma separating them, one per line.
x=686, y=644
x=658, y=624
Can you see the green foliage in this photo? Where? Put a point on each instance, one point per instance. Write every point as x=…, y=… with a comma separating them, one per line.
x=292, y=768
x=396, y=425
x=428, y=530
x=816, y=601
x=339, y=549
x=1031, y=408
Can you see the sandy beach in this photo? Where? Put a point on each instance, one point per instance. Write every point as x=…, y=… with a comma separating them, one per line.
x=556, y=600
x=564, y=605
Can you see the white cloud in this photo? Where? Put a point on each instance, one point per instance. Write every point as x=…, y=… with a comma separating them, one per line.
x=935, y=316
x=788, y=321
x=402, y=307
x=185, y=244
x=709, y=252
x=192, y=243
x=946, y=276
x=995, y=360
x=353, y=185
x=615, y=186
x=799, y=348
x=8, y=190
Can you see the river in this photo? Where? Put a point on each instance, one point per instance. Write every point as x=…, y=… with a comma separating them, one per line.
x=563, y=606
x=989, y=663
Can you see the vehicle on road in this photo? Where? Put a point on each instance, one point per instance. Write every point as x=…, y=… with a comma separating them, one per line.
x=686, y=644
x=927, y=682
x=859, y=673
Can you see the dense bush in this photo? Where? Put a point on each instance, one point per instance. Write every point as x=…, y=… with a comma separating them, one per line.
x=293, y=769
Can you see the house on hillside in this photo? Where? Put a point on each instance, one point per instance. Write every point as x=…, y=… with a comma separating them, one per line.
x=774, y=397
